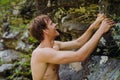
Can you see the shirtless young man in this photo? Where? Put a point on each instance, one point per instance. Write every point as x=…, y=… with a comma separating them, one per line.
x=49, y=54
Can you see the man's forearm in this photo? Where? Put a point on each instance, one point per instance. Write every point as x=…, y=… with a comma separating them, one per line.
x=87, y=35
x=75, y=44
x=88, y=48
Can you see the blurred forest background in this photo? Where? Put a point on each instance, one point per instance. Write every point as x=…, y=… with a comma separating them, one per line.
x=73, y=18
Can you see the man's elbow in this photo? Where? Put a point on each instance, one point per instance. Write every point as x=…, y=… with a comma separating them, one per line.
x=81, y=59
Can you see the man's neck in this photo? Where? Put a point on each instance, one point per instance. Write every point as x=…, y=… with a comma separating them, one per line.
x=46, y=43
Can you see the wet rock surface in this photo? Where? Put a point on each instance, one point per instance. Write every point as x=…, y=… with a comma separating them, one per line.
x=93, y=69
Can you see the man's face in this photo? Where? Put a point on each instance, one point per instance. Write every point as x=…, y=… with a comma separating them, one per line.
x=51, y=26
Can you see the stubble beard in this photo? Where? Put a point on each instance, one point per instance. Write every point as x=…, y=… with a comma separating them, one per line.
x=56, y=34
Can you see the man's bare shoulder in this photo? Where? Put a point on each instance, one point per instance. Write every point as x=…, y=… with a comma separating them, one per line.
x=39, y=54
x=42, y=51
x=43, y=54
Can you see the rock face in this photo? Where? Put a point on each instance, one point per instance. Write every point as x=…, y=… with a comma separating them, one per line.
x=92, y=69
x=14, y=44
x=7, y=59
x=12, y=59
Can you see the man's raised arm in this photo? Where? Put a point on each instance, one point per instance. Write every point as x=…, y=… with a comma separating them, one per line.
x=49, y=55
x=82, y=39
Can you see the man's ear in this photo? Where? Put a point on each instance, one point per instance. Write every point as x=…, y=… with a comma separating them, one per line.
x=46, y=31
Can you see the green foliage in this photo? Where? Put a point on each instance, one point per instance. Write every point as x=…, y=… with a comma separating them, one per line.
x=117, y=25
x=86, y=13
x=21, y=69
x=1, y=61
x=4, y=2
x=32, y=40
x=7, y=7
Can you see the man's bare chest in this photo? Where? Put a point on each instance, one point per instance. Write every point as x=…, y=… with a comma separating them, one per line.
x=51, y=72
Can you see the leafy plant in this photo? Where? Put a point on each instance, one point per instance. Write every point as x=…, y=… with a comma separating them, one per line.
x=21, y=68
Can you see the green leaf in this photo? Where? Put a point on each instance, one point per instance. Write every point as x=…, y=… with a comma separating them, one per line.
x=4, y=2
x=82, y=9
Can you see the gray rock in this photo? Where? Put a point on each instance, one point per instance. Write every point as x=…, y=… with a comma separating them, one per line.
x=93, y=70
x=4, y=67
x=1, y=46
x=8, y=56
